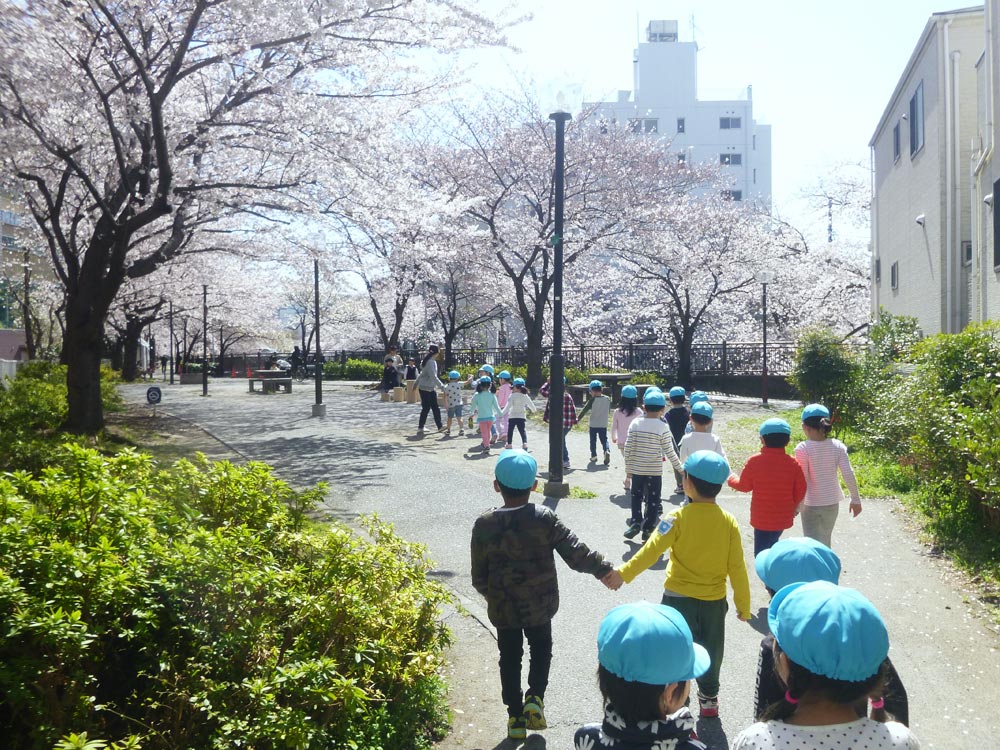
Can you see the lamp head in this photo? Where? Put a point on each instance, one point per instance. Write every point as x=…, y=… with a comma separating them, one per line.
x=921, y=218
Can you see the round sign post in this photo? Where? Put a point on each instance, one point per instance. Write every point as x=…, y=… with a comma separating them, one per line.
x=153, y=396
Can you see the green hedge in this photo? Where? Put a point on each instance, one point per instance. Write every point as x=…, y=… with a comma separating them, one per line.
x=353, y=369
x=195, y=608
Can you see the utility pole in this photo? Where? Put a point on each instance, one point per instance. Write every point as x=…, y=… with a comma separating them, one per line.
x=204, y=339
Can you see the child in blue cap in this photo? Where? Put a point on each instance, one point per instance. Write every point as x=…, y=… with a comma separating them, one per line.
x=649, y=441
x=820, y=457
x=776, y=483
x=647, y=660
x=701, y=437
x=599, y=407
x=485, y=408
x=706, y=548
x=829, y=651
x=678, y=418
x=627, y=412
x=514, y=568
x=804, y=560
x=453, y=395
x=516, y=412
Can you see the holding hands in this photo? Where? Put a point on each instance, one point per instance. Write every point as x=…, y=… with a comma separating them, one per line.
x=613, y=580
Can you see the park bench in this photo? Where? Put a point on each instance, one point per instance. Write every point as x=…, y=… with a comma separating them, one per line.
x=270, y=381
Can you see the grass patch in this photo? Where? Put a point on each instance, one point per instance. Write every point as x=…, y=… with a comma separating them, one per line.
x=581, y=494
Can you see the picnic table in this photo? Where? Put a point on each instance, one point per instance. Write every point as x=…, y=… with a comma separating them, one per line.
x=271, y=380
x=614, y=378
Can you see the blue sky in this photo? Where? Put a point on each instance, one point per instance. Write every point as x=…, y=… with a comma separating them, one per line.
x=822, y=72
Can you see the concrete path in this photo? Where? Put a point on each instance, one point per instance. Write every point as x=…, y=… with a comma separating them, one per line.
x=433, y=489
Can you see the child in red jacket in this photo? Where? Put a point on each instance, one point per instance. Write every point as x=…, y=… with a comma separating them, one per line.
x=777, y=483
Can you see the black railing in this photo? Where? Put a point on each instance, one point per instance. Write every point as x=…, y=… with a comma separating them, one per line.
x=724, y=359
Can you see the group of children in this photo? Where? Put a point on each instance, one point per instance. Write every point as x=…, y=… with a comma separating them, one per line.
x=828, y=649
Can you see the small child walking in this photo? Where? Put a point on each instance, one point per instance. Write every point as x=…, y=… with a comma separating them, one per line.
x=485, y=408
x=513, y=567
x=820, y=456
x=648, y=442
x=453, y=392
x=701, y=438
x=678, y=417
x=776, y=482
x=646, y=661
x=569, y=417
x=627, y=412
x=503, y=394
x=705, y=549
x=516, y=412
x=599, y=407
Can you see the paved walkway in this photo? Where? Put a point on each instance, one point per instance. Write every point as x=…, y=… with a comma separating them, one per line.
x=433, y=488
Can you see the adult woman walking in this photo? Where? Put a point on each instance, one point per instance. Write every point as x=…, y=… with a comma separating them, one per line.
x=428, y=383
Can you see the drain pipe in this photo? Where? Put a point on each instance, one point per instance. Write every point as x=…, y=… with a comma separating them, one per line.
x=949, y=177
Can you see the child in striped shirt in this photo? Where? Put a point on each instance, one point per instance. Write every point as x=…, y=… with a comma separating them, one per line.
x=649, y=441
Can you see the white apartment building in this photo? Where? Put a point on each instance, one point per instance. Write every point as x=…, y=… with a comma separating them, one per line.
x=665, y=102
x=984, y=265
x=923, y=202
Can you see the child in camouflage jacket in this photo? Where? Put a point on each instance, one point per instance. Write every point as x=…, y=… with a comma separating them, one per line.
x=514, y=568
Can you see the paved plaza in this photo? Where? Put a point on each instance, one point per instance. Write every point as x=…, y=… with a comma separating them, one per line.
x=433, y=488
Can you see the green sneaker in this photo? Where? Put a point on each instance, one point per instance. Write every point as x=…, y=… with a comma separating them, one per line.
x=517, y=728
x=534, y=712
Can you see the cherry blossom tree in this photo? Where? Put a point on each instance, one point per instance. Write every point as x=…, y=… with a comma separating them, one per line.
x=137, y=117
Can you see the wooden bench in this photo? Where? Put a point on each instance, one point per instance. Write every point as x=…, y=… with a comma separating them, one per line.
x=270, y=385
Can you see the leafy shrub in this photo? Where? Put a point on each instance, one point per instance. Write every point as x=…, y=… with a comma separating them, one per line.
x=194, y=607
x=353, y=369
x=823, y=368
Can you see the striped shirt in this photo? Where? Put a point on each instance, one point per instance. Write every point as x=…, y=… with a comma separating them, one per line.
x=820, y=460
x=649, y=440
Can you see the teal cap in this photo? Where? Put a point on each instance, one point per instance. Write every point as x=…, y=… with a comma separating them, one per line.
x=797, y=560
x=505, y=374
x=485, y=380
x=454, y=375
x=775, y=426
x=594, y=384
x=677, y=392
x=518, y=381
x=516, y=469
x=815, y=410
x=629, y=391
x=654, y=397
x=697, y=396
x=708, y=466
x=487, y=368
x=703, y=408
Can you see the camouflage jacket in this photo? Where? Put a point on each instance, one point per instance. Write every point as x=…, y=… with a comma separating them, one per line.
x=514, y=568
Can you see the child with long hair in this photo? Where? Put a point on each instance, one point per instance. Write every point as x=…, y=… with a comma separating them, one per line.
x=503, y=394
x=485, y=408
x=516, y=412
x=830, y=646
x=820, y=457
x=627, y=412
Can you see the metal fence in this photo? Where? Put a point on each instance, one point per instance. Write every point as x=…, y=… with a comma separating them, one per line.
x=725, y=358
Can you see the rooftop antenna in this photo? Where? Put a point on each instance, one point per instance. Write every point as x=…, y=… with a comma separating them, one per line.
x=638, y=32
x=694, y=33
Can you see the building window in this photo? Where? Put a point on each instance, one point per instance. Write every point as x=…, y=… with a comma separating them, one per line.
x=755, y=175
x=680, y=124
x=966, y=252
x=643, y=125
x=878, y=270
x=734, y=160
x=730, y=123
x=895, y=143
x=682, y=158
x=894, y=275
x=917, y=119
x=732, y=195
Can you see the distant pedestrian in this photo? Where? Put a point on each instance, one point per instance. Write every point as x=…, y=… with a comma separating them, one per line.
x=453, y=393
x=164, y=361
x=397, y=362
x=389, y=376
x=705, y=549
x=568, y=412
x=776, y=482
x=412, y=371
x=504, y=389
x=429, y=384
x=599, y=407
x=821, y=457
x=648, y=443
x=678, y=418
x=627, y=412
x=646, y=661
x=485, y=408
x=513, y=567
x=830, y=646
x=516, y=411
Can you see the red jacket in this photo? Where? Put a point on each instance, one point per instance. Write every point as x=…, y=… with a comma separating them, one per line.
x=778, y=486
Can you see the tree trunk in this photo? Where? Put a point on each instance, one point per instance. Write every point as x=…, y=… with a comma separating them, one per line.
x=684, y=343
x=130, y=349
x=534, y=355
x=82, y=356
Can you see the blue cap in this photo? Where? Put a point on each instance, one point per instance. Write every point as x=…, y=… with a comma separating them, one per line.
x=703, y=408
x=487, y=368
x=829, y=630
x=485, y=379
x=454, y=374
x=505, y=374
x=775, y=427
x=629, y=391
x=815, y=410
x=516, y=469
x=654, y=397
x=697, y=396
x=596, y=384
x=708, y=466
x=649, y=643
x=797, y=560
x=677, y=391
x=518, y=381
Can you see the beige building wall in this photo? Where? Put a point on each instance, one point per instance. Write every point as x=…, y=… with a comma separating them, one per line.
x=926, y=257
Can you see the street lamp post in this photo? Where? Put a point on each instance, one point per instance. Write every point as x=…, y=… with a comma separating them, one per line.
x=173, y=343
x=555, y=485
x=319, y=408
x=204, y=339
x=764, y=278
